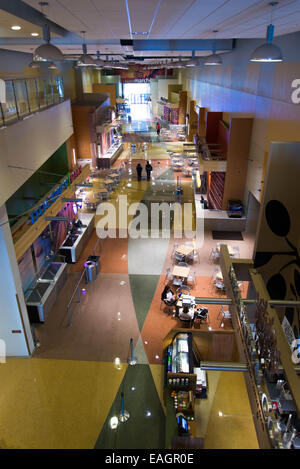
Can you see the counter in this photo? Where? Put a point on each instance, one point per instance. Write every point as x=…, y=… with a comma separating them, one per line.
x=107, y=160
x=72, y=246
x=42, y=297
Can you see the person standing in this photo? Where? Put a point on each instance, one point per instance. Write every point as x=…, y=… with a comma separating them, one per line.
x=148, y=170
x=158, y=128
x=139, y=170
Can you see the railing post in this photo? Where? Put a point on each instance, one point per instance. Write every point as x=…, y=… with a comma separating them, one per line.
x=15, y=98
x=2, y=114
x=37, y=94
x=69, y=316
x=29, y=110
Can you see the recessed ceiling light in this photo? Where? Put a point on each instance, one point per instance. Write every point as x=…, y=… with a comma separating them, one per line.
x=34, y=34
x=16, y=28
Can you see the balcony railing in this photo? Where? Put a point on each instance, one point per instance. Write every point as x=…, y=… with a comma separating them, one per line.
x=26, y=96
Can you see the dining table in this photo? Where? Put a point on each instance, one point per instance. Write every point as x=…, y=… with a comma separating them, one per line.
x=184, y=250
x=180, y=271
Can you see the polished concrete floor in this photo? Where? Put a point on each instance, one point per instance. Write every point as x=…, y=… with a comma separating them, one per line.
x=67, y=393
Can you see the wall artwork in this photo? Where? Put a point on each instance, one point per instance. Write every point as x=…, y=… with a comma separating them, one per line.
x=277, y=255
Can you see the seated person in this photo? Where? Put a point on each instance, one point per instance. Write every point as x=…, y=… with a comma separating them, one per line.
x=186, y=313
x=168, y=296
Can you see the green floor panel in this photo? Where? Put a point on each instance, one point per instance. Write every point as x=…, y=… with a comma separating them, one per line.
x=145, y=428
x=142, y=290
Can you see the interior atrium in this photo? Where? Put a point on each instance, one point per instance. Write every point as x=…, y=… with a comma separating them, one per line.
x=149, y=224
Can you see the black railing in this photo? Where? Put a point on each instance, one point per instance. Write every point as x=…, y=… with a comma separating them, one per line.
x=25, y=96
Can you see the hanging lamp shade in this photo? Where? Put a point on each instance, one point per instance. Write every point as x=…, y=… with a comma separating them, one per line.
x=98, y=62
x=267, y=52
x=34, y=64
x=85, y=60
x=179, y=64
x=214, y=59
x=47, y=51
x=52, y=66
x=193, y=62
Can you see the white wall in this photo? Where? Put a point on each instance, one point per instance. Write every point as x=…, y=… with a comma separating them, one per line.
x=10, y=286
x=163, y=83
x=29, y=143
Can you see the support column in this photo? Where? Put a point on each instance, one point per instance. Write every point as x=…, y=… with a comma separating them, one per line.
x=15, y=328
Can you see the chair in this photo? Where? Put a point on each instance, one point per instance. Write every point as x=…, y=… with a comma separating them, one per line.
x=226, y=314
x=237, y=252
x=214, y=255
x=202, y=314
x=178, y=257
x=192, y=279
x=186, y=322
x=175, y=246
x=184, y=289
x=168, y=276
x=177, y=281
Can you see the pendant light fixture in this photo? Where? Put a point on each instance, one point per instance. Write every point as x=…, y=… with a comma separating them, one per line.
x=52, y=66
x=213, y=59
x=47, y=51
x=85, y=60
x=34, y=64
x=268, y=52
x=98, y=62
x=193, y=62
x=179, y=64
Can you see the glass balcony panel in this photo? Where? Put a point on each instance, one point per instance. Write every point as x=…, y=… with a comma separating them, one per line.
x=9, y=108
x=32, y=95
x=41, y=92
x=49, y=91
x=21, y=97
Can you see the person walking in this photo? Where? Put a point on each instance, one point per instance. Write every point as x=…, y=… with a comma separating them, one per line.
x=139, y=170
x=148, y=170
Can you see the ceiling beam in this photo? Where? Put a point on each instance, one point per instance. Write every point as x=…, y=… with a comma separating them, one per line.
x=182, y=44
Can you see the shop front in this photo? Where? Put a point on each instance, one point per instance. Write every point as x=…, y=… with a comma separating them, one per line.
x=45, y=241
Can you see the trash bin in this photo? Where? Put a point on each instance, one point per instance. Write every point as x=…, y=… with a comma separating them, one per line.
x=95, y=259
x=90, y=271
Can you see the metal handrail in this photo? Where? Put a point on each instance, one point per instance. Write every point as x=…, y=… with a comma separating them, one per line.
x=74, y=292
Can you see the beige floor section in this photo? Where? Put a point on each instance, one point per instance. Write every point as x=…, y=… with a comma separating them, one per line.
x=49, y=404
x=234, y=429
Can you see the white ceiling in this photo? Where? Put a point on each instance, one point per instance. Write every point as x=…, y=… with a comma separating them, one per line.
x=160, y=19
x=186, y=19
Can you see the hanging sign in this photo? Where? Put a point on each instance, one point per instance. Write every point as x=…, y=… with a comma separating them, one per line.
x=41, y=209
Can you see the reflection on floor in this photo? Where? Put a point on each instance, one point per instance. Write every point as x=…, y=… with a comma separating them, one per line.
x=65, y=396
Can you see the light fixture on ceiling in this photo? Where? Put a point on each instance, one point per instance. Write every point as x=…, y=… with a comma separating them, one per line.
x=52, y=66
x=98, y=62
x=34, y=64
x=85, y=60
x=179, y=64
x=34, y=34
x=268, y=52
x=15, y=28
x=193, y=62
x=213, y=59
x=47, y=51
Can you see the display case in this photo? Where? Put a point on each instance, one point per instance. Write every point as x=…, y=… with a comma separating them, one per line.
x=179, y=363
x=181, y=353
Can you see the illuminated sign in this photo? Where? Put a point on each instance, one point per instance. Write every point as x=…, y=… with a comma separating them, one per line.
x=41, y=209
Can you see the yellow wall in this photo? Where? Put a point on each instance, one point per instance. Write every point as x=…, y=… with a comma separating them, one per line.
x=105, y=88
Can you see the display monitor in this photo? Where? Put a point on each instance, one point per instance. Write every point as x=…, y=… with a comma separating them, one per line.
x=182, y=424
